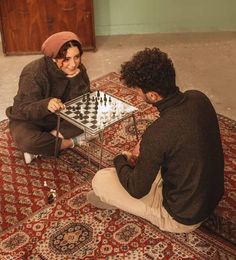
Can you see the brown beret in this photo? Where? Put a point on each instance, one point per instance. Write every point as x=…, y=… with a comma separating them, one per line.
x=52, y=44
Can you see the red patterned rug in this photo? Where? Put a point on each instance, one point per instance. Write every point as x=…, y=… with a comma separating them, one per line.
x=70, y=228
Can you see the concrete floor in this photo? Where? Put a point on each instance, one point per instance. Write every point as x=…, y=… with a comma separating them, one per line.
x=203, y=61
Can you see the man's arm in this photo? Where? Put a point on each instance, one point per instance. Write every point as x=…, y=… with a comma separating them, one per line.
x=137, y=179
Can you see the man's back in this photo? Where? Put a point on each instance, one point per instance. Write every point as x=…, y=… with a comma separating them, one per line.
x=193, y=166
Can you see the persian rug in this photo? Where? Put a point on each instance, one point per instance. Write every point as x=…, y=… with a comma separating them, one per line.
x=70, y=228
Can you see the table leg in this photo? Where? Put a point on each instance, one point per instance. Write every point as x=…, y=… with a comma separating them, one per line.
x=88, y=146
x=101, y=138
x=135, y=127
x=57, y=134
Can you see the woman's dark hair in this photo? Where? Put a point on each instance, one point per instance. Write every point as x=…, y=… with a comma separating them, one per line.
x=73, y=43
x=150, y=70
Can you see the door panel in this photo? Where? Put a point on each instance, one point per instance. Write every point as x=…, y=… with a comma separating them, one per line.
x=25, y=24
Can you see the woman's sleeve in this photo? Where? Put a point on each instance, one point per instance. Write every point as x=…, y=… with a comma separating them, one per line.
x=30, y=102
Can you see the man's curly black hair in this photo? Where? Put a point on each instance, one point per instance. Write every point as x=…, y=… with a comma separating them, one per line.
x=150, y=70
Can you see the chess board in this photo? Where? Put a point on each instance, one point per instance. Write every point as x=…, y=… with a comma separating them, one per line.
x=95, y=111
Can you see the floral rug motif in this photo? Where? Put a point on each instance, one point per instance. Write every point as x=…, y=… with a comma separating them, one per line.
x=73, y=229
x=70, y=228
x=23, y=189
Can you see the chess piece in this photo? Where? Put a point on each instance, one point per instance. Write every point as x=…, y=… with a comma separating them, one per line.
x=105, y=97
x=51, y=196
x=52, y=193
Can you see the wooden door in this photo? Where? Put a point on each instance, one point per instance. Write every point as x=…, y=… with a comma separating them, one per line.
x=22, y=29
x=25, y=24
x=73, y=14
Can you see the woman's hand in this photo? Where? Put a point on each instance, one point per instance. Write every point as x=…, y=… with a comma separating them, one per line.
x=55, y=104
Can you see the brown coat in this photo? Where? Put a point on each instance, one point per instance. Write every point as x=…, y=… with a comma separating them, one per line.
x=29, y=117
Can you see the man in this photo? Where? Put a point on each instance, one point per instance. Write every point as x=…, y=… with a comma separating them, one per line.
x=175, y=179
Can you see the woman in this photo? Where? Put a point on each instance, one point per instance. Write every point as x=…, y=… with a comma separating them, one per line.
x=44, y=86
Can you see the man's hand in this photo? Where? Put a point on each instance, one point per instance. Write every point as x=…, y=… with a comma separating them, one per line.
x=131, y=158
x=55, y=104
x=136, y=149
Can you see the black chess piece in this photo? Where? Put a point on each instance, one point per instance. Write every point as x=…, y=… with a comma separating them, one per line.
x=51, y=196
x=105, y=97
x=98, y=94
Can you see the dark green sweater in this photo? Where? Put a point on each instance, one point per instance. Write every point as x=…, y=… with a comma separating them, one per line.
x=185, y=144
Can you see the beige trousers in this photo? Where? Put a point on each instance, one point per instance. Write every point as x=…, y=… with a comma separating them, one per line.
x=108, y=188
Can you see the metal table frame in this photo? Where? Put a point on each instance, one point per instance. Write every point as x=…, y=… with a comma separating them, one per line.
x=100, y=132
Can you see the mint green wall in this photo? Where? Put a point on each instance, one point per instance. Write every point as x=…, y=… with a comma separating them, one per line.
x=152, y=16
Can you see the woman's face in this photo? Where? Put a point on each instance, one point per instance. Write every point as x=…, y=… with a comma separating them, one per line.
x=70, y=63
